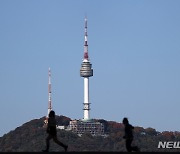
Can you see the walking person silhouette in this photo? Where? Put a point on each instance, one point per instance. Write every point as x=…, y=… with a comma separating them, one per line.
x=52, y=133
x=129, y=136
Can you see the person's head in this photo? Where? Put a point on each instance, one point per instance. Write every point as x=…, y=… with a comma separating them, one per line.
x=51, y=113
x=125, y=121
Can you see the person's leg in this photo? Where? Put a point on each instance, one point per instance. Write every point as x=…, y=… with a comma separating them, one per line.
x=135, y=148
x=128, y=145
x=60, y=143
x=47, y=142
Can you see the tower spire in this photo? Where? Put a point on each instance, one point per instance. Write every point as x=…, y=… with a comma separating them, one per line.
x=86, y=57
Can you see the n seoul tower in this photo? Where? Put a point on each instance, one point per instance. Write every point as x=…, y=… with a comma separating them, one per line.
x=86, y=71
x=49, y=96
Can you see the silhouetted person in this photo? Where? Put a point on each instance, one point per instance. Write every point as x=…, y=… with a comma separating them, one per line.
x=129, y=136
x=52, y=133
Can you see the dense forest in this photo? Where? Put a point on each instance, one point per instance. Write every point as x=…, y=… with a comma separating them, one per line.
x=30, y=137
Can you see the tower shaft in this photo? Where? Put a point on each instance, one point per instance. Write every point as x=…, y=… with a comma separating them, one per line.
x=86, y=99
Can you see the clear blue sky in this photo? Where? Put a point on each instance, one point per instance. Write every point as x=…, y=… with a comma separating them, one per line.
x=134, y=48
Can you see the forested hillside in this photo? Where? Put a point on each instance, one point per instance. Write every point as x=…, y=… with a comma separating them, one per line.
x=30, y=137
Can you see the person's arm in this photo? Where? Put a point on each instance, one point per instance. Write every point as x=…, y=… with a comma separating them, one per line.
x=125, y=135
x=48, y=129
x=132, y=127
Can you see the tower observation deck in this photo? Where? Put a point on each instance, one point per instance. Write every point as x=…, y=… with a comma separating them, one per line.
x=86, y=70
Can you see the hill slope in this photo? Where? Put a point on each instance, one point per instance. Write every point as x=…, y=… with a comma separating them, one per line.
x=30, y=137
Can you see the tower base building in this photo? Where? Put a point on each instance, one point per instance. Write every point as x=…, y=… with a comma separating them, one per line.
x=81, y=127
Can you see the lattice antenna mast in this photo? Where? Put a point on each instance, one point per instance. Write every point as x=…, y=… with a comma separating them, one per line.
x=49, y=96
x=49, y=92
